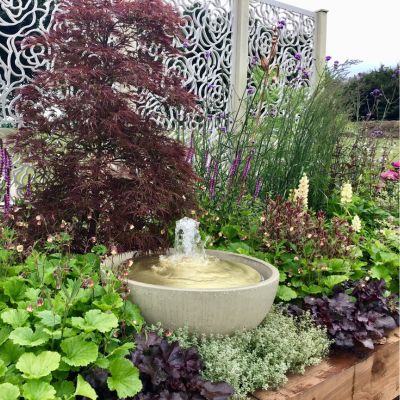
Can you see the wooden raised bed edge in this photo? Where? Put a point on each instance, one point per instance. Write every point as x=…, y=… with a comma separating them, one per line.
x=346, y=377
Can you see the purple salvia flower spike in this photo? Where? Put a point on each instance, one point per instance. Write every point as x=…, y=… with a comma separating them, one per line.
x=257, y=189
x=246, y=168
x=213, y=180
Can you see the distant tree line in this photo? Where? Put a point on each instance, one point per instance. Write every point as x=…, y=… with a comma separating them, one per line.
x=375, y=94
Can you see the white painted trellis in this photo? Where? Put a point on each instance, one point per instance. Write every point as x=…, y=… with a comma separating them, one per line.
x=222, y=39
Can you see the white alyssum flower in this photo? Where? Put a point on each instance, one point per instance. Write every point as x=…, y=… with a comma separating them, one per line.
x=356, y=223
x=346, y=194
x=302, y=191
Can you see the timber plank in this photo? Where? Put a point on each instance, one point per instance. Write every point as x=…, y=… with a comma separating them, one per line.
x=346, y=377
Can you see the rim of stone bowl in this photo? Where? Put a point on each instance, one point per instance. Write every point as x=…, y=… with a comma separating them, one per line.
x=120, y=258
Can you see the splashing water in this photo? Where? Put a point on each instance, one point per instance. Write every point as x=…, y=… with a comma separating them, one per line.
x=189, y=266
x=187, y=238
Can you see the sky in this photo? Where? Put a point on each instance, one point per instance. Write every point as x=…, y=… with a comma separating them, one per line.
x=366, y=30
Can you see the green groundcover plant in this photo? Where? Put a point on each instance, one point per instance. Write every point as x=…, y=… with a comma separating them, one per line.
x=59, y=318
x=259, y=358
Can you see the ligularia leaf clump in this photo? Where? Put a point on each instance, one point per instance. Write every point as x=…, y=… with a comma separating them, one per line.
x=346, y=194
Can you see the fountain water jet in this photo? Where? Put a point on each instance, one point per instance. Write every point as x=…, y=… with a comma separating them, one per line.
x=188, y=266
x=217, y=308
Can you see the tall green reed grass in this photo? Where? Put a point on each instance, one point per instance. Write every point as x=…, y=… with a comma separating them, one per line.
x=286, y=131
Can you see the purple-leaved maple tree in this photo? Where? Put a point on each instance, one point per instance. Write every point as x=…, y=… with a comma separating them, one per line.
x=99, y=164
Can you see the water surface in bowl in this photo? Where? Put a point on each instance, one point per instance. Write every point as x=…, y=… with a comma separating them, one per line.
x=193, y=272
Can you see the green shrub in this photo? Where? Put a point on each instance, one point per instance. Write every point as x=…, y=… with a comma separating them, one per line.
x=60, y=316
x=262, y=357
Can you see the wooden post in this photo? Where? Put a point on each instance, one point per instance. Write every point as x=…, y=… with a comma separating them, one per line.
x=240, y=55
x=320, y=35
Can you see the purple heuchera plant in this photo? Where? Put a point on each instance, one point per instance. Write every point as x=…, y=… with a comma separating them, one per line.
x=169, y=372
x=354, y=322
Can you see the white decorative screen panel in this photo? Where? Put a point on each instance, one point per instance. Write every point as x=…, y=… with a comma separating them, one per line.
x=19, y=19
x=296, y=37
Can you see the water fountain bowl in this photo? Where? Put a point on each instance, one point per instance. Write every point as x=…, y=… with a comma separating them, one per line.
x=208, y=311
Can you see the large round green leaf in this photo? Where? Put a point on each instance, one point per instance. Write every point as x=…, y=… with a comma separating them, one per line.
x=38, y=390
x=26, y=337
x=48, y=318
x=79, y=352
x=124, y=378
x=95, y=320
x=15, y=318
x=36, y=366
x=8, y=391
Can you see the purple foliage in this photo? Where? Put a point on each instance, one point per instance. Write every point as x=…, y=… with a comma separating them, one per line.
x=28, y=189
x=5, y=172
x=354, y=315
x=168, y=371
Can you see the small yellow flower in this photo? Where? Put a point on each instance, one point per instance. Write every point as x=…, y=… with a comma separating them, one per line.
x=302, y=191
x=346, y=194
x=20, y=248
x=356, y=223
x=192, y=212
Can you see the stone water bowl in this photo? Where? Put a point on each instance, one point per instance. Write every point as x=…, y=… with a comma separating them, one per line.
x=208, y=311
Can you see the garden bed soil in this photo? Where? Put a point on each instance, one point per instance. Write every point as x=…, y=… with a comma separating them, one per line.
x=345, y=376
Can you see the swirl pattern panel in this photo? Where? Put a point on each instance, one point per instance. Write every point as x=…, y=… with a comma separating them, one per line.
x=297, y=37
x=205, y=62
x=19, y=19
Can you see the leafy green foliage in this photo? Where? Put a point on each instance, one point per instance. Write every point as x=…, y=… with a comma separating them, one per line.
x=84, y=389
x=9, y=391
x=63, y=316
x=124, y=378
x=78, y=351
x=38, y=390
x=259, y=358
x=35, y=367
